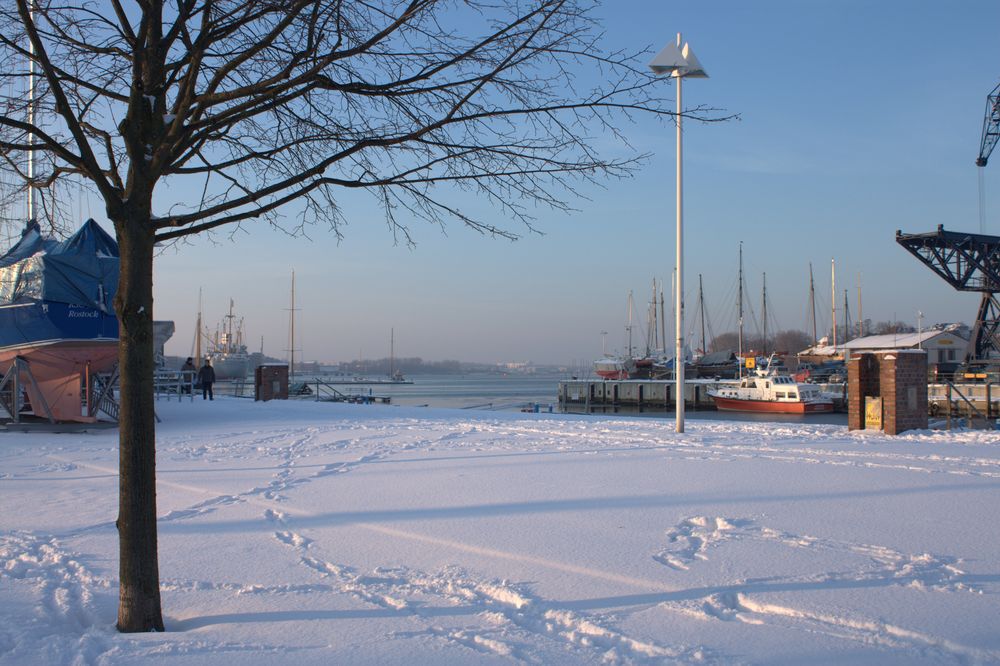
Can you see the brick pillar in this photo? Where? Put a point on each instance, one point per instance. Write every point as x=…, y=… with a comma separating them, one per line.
x=903, y=377
x=863, y=379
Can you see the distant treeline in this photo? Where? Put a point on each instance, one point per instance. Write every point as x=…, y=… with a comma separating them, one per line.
x=409, y=366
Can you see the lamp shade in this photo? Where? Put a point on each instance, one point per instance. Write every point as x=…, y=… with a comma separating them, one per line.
x=677, y=62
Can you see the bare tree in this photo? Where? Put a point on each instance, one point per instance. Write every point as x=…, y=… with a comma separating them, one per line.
x=258, y=104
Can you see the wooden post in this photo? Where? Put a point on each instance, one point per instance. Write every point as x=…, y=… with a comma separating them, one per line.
x=948, y=402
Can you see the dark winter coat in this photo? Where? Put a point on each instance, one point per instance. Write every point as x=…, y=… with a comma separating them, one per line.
x=206, y=375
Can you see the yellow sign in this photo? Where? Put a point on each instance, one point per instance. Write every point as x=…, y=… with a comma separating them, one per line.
x=873, y=412
x=751, y=363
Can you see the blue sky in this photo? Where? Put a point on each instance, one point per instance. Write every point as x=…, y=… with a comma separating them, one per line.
x=857, y=118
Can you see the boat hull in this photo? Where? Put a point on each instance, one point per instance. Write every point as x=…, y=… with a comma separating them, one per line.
x=61, y=370
x=63, y=344
x=771, y=406
x=230, y=366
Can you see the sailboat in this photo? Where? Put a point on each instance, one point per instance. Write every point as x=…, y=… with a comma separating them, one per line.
x=611, y=367
x=58, y=329
x=56, y=314
x=395, y=374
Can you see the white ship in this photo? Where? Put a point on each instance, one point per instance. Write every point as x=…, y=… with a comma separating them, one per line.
x=228, y=354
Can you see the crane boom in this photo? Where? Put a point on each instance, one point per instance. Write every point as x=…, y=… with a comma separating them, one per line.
x=991, y=127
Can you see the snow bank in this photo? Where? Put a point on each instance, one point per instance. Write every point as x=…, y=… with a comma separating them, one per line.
x=320, y=533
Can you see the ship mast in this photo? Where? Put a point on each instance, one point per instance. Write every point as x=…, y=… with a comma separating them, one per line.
x=229, y=329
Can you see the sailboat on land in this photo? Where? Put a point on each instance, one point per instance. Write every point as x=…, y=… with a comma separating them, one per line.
x=56, y=314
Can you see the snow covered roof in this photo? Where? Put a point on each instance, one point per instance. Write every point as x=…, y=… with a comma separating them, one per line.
x=900, y=340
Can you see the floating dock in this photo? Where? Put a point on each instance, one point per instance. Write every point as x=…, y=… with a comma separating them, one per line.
x=658, y=394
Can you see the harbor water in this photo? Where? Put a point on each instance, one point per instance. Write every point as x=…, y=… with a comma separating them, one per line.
x=530, y=392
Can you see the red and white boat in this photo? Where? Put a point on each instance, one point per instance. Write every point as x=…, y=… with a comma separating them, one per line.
x=766, y=391
x=614, y=368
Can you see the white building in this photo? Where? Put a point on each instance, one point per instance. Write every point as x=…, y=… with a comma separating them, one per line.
x=945, y=347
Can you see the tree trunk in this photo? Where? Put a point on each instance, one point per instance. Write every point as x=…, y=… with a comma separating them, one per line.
x=139, y=596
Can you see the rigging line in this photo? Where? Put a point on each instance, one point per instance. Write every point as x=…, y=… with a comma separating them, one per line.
x=982, y=201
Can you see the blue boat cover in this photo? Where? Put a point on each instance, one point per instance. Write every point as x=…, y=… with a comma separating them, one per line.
x=81, y=270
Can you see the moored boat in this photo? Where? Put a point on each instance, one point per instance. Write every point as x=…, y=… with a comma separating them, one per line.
x=767, y=391
x=229, y=355
x=614, y=368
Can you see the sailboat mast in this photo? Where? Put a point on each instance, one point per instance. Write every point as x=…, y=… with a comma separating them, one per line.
x=833, y=300
x=812, y=302
x=392, y=350
x=197, y=333
x=653, y=334
x=291, y=346
x=629, y=326
x=663, y=321
x=701, y=306
x=764, y=308
x=861, y=314
x=847, y=319
x=739, y=311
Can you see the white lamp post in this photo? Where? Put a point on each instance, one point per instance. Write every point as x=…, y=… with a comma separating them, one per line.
x=679, y=62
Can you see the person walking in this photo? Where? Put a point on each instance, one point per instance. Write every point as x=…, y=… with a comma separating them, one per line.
x=188, y=372
x=206, y=377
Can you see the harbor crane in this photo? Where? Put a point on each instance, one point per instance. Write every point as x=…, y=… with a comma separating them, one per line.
x=991, y=127
x=970, y=262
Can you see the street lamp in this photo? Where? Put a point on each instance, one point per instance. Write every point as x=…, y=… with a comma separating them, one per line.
x=680, y=63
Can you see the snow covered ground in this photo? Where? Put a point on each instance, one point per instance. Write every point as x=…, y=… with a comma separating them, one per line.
x=307, y=533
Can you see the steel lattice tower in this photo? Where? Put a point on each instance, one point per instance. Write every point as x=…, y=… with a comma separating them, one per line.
x=968, y=262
